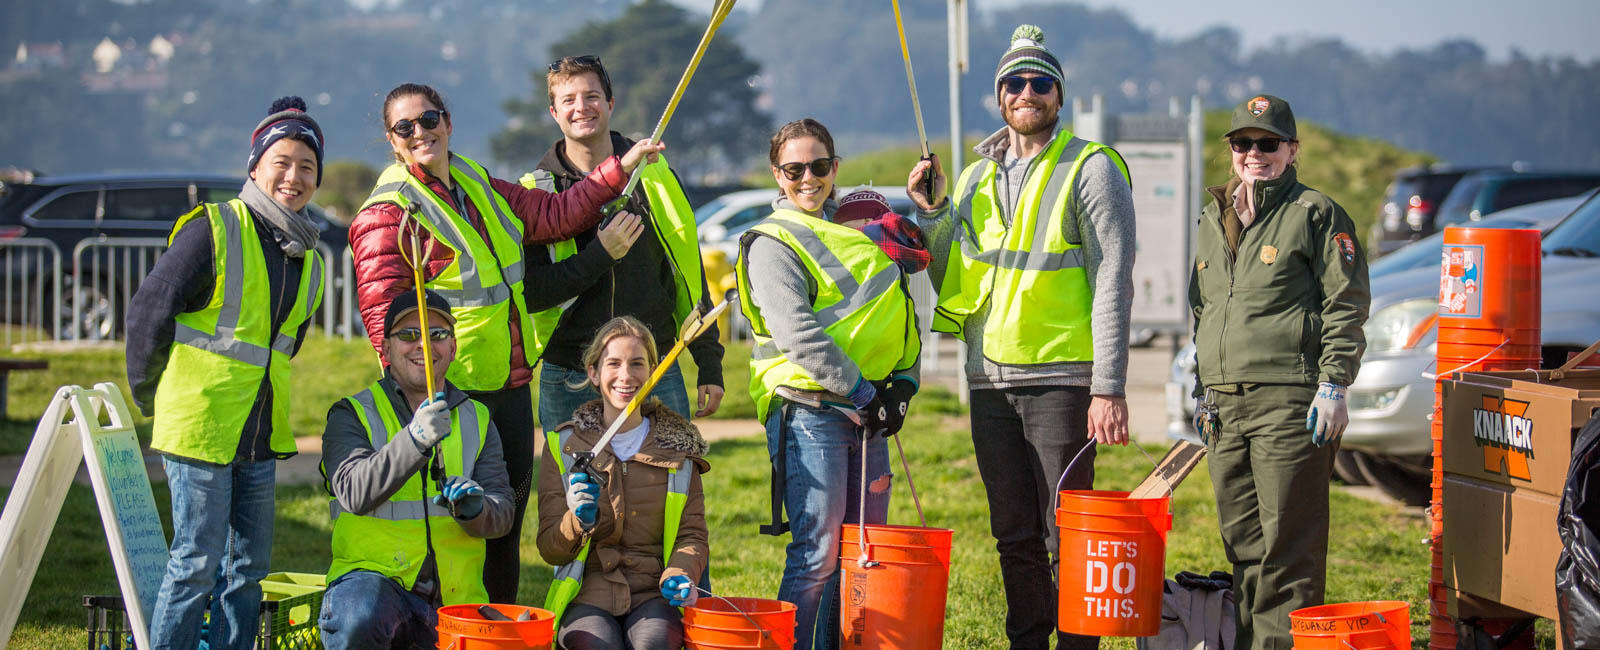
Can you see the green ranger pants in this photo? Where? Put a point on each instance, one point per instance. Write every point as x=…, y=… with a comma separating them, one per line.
x=1271, y=485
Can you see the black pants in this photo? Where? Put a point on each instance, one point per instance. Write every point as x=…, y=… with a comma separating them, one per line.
x=1024, y=438
x=652, y=625
x=512, y=412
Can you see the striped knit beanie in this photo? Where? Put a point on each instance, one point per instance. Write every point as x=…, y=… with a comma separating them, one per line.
x=1028, y=53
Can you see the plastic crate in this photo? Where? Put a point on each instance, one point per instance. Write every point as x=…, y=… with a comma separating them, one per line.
x=290, y=604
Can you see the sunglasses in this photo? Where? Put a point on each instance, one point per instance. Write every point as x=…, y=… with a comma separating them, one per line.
x=1041, y=85
x=820, y=168
x=1265, y=145
x=414, y=334
x=429, y=119
x=585, y=60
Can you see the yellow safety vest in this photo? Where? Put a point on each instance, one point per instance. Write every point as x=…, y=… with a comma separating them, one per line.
x=861, y=301
x=1030, y=272
x=569, y=576
x=392, y=540
x=483, y=283
x=221, y=352
x=674, y=228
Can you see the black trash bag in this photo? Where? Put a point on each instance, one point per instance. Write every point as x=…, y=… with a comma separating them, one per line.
x=1578, y=569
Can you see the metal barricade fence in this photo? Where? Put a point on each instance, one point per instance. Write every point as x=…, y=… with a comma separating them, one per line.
x=106, y=271
x=30, y=294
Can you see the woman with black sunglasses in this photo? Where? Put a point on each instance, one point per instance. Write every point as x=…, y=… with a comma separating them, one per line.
x=1279, y=293
x=473, y=228
x=833, y=369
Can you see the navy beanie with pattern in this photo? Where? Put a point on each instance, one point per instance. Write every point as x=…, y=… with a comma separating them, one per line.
x=286, y=118
x=1027, y=52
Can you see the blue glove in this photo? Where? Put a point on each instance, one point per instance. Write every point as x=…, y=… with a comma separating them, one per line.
x=581, y=496
x=679, y=591
x=1328, y=415
x=462, y=495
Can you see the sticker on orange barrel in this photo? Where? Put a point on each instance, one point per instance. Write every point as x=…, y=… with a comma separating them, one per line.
x=1109, y=577
x=1460, y=275
x=855, y=606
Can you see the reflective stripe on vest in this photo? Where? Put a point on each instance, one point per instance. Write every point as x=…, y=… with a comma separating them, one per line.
x=860, y=301
x=484, y=281
x=393, y=538
x=1030, y=272
x=222, y=351
x=569, y=577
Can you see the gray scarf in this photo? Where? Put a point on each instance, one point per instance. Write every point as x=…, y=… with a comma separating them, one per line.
x=292, y=230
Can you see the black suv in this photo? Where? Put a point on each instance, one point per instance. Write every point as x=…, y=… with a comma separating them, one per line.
x=1412, y=201
x=67, y=210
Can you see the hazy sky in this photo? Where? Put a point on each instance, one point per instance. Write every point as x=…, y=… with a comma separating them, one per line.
x=1537, y=27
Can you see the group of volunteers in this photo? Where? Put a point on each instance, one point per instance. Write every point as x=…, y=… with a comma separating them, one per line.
x=430, y=476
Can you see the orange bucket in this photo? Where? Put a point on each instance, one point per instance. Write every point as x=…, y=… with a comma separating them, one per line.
x=1372, y=625
x=1113, y=562
x=728, y=623
x=1490, y=279
x=461, y=627
x=897, y=602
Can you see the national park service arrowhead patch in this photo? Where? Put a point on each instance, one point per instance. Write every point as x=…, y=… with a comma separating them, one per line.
x=1269, y=254
x=1347, y=248
x=1258, y=106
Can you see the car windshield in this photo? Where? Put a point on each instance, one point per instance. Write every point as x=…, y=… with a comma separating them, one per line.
x=705, y=211
x=1578, y=235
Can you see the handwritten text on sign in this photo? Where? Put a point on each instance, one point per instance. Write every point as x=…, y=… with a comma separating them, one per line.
x=135, y=508
x=1109, y=577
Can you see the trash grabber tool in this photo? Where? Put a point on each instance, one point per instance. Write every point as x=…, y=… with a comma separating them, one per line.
x=718, y=14
x=916, y=105
x=413, y=252
x=693, y=327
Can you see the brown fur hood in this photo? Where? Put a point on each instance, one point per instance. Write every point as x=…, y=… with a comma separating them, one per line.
x=669, y=432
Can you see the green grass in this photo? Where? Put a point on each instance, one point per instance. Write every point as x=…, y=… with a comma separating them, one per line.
x=1376, y=553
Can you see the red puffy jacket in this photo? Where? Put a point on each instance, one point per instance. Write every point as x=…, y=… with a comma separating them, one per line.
x=382, y=274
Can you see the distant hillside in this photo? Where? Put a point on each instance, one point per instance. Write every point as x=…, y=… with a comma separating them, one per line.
x=1355, y=171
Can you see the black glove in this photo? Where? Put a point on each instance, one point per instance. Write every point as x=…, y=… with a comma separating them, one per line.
x=874, y=418
x=896, y=395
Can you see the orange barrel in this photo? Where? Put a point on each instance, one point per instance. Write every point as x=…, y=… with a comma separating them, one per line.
x=1361, y=626
x=897, y=601
x=727, y=623
x=461, y=627
x=1490, y=281
x=1113, y=562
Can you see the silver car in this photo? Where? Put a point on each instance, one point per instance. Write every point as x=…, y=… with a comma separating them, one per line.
x=1387, y=443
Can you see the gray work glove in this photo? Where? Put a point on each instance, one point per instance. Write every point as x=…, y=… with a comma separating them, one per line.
x=1328, y=415
x=431, y=423
x=581, y=495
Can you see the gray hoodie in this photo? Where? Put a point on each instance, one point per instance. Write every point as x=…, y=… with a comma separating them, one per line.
x=1105, y=204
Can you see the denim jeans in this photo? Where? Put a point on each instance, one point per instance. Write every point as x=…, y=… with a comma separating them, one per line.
x=365, y=609
x=221, y=545
x=562, y=391
x=822, y=490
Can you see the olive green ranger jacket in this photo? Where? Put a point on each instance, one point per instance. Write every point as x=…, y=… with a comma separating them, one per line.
x=1287, y=307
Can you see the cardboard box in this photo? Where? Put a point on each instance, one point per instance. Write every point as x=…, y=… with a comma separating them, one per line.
x=1507, y=447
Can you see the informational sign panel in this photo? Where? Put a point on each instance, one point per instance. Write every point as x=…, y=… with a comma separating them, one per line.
x=1161, y=209
x=121, y=487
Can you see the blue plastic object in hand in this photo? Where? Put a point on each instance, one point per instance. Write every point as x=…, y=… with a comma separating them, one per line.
x=677, y=590
x=463, y=496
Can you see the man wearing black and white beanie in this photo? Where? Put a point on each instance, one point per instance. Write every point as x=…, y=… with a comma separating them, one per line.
x=1040, y=291
x=211, y=332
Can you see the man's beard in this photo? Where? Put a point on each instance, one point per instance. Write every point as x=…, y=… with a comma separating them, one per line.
x=1038, y=122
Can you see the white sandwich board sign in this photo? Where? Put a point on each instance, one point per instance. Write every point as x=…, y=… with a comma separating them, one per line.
x=71, y=432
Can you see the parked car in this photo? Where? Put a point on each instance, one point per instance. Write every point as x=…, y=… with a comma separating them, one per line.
x=1483, y=193
x=1387, y=443
x=720, y=222
x=1411, y=202
x=67, y=210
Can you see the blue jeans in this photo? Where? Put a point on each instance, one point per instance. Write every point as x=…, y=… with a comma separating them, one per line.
x=822, y=491
x=562, y=391
x=221, y=545
x=365, y=609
